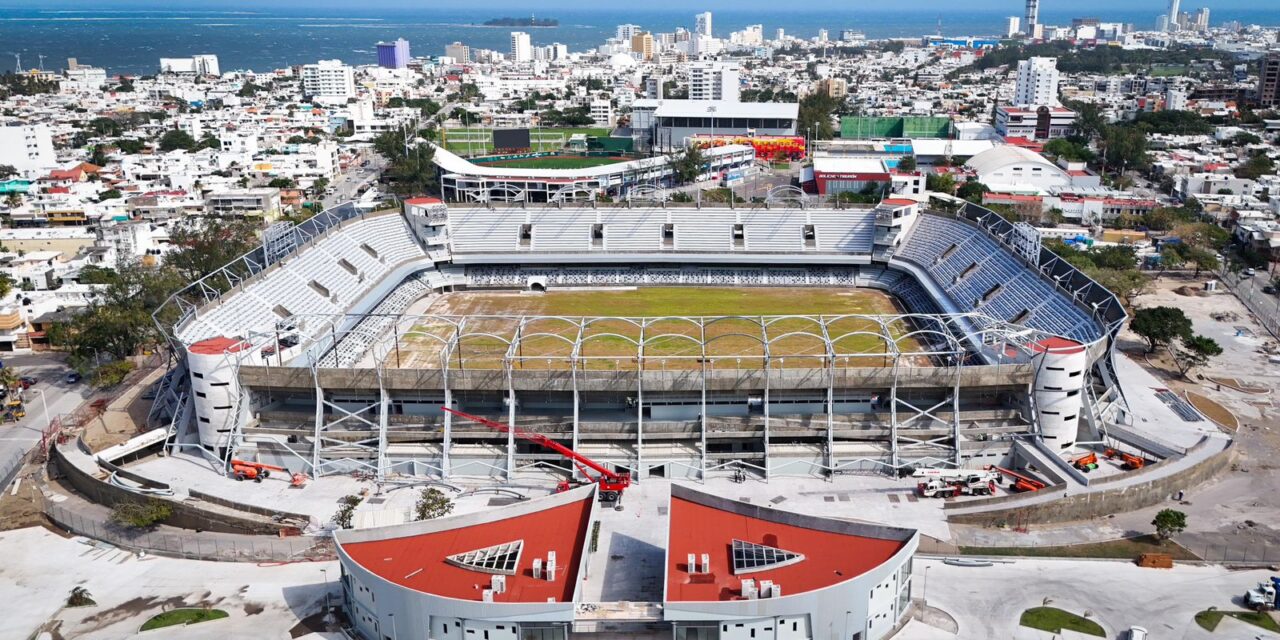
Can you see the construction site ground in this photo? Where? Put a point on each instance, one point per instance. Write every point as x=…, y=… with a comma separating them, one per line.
x=987, y=602
x=262, y=600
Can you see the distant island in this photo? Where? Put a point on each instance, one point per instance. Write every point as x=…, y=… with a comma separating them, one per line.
x=522, y=22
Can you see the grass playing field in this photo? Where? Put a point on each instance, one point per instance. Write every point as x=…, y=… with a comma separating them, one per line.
x=556, y=162
x=543, y=139
x=677, y=321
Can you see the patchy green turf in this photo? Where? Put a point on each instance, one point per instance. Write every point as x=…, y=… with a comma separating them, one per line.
x=178, y=617
x=1129, y=548
x=1055, y=620
x=610, y=340
x=1210, y=619
x=541, y=137
x=557, y=162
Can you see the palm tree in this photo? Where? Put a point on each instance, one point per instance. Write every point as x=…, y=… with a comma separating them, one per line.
x=8, y=378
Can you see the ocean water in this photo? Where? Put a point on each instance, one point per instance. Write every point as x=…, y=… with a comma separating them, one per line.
x=133, y=41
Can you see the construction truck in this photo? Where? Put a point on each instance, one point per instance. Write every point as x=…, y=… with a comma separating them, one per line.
x=256, y=471
x=1263, y=596
x=1018, y=482
x=947, y=483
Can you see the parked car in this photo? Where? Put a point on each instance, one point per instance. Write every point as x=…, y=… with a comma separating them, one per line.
x=1269, y=290
x=73, y=377
x=1137, y=633
x=28, y=381
x=1249, y=273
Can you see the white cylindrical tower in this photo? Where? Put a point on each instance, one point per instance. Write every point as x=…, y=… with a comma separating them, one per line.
x=1061, y=365
x=215, y=389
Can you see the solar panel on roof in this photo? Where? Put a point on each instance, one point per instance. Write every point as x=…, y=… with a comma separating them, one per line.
x=749, y=557
x=499, y=559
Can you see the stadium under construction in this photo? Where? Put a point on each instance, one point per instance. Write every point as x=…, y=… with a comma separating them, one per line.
x=334, y=345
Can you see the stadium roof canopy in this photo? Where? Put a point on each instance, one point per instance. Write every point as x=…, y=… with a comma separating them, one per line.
x=799, y=553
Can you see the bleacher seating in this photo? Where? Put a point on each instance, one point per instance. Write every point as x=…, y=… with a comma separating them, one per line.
x=483, y=230
x=285, y=289
x=950, y=249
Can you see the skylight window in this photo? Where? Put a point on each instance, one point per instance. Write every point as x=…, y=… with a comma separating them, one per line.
x=501, y=559
x=750, y=557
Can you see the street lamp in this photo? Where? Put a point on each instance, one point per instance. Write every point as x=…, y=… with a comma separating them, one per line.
x=924, y=590
x=44, y=407
x=328, y=609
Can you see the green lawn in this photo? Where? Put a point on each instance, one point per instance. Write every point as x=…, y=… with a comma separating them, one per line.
x=460, y=145
x=182, y=617
x=556, y=162
x=1209, y=620
x=1055, y=620
x=1129, y=548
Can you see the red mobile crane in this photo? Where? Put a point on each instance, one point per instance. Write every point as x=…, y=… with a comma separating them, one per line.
x=611, y=483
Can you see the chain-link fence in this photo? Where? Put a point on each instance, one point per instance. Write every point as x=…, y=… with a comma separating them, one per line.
x=187, y=544
x=1243, y=552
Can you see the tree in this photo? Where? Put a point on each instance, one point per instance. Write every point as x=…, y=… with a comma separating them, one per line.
x=1127, y=284
x=972, y=190
x=1160, y=326
x=80, y=597
x=432, y=504
x=7, y=171
x=141, y=515
x=1124, y=147
x=1169, y=523
x=941, y=183
x=129, y=145
x=1201, y=257
x=1195, y=352
x=1260, y=164
x=174, y=139
x=346, y=509
x=282, y=183
x=110, y=194
x=908, y=163
x=93, y=274
x=412, y=168
x=814, y=120
x=687, y=165
x=209, y=245
x=13, y=200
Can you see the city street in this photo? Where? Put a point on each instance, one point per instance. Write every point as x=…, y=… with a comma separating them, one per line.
x=347, y=186
x=51, y=392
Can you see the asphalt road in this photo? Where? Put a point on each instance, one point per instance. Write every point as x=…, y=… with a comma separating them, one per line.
x=58, y=397
x=346, y=186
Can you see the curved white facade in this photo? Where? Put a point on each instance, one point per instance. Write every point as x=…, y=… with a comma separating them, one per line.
x=1059, y=393
x=215, y=389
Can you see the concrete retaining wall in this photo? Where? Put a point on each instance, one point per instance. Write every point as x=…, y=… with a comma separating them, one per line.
x=1094, y=504
x=185, y=515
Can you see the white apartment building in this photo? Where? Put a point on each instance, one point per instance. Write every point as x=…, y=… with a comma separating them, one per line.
x=602, y=113
x=201, y=65
x=83, y=79
x=626, y=32
x=328, y=79
x=1013, y=26
x=460, y=53
x=702, y=24
x=521, y=47
x=714, y=81
x=1037, y=83
x=26, y=147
